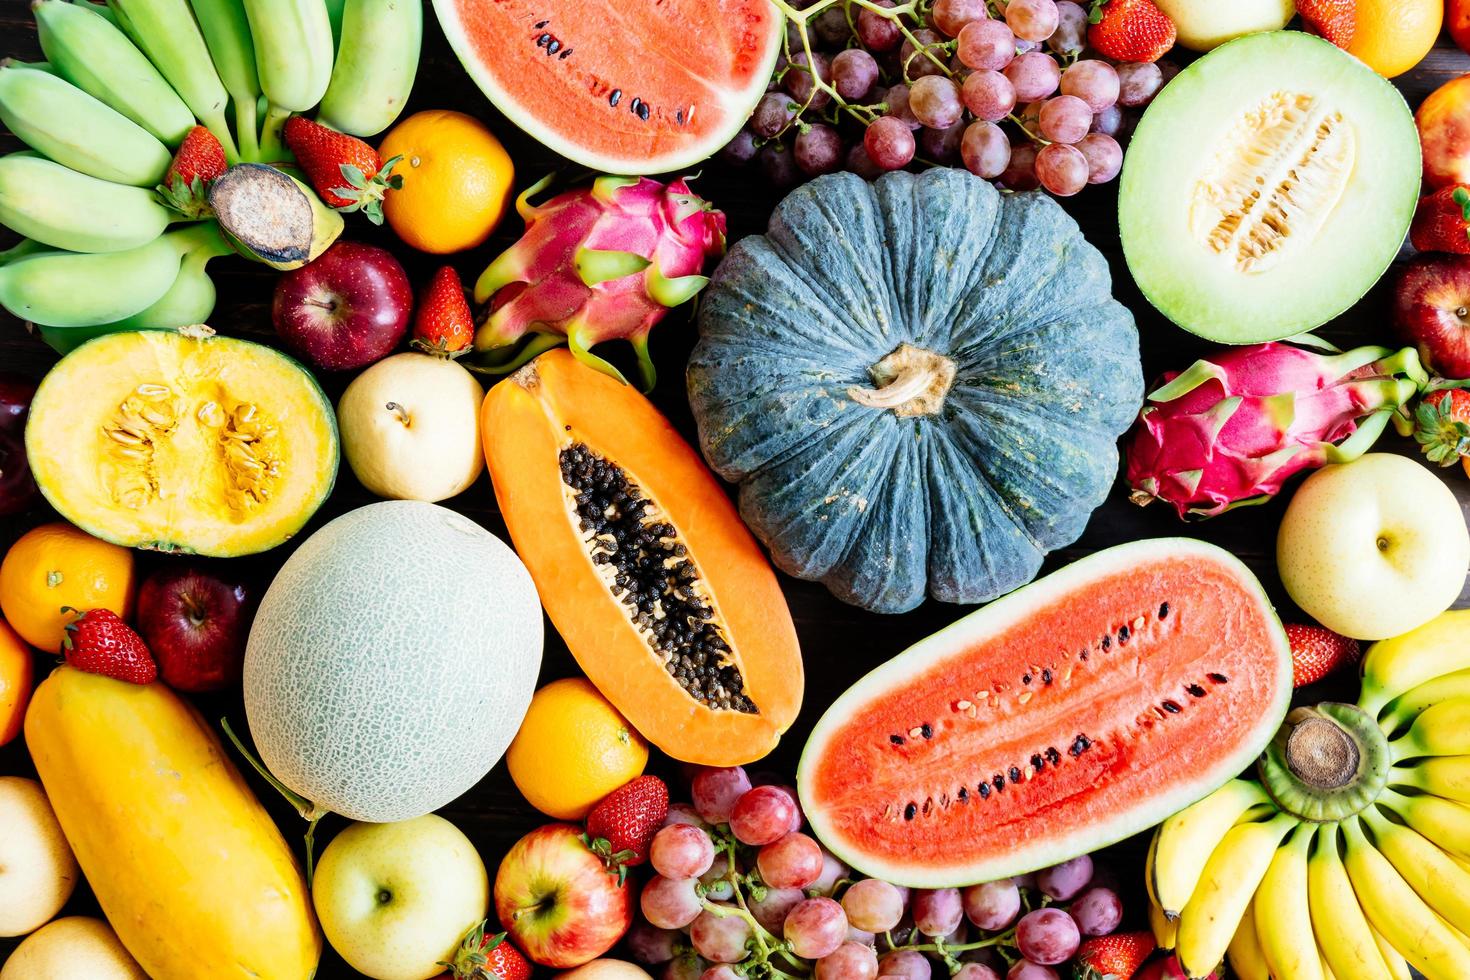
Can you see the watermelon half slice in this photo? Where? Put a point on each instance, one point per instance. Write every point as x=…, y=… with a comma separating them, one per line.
x=622, y=86
x=1066, y=716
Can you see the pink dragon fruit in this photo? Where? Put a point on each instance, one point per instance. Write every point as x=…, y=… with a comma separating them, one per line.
x=597, y=263
x=1232, y=428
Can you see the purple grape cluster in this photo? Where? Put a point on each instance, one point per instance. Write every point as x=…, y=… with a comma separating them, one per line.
x=739, y=884
x=1005, y=89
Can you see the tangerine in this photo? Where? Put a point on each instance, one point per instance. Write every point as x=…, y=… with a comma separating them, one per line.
x=457, y=180
x=55, y=566
x=1392, y=36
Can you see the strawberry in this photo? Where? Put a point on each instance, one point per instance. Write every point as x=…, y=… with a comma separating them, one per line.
x=620, y=827
x=1115, y=957
x=1130, y=30
x=442, y=324
x=1332, y=19
x=97, y=642
x=1442, y=221
x=480, y=956
x=345, y=171
x=197, y=162
x=1442, y=425
x=1317, y=651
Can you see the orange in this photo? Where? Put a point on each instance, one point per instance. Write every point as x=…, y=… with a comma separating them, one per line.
x=573, y=749
x=57, y=565
x=15, y=682
x=1392, y=36
x=457, y=180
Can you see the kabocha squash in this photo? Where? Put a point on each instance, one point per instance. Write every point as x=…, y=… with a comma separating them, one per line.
x=185, y=862
x=642, y=563
x=182, y=441
x=918, y=384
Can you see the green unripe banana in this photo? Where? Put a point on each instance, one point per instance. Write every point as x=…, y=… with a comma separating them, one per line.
x=377, y=59
x=272, y=217
x=60, y=207
x=80, y=289
x=293, y=55
x=71, y=127
x=227, y=33
x=166, y=32
x=88, y=50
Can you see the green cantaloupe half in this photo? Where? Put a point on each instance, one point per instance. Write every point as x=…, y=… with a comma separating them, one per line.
x=1267, y=188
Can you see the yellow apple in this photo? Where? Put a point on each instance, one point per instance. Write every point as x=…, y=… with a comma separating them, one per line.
x=69, y=948
x=395, y=899
x=410, y=427
x=1373, y=548
x=1206, y=24
x=37, y=869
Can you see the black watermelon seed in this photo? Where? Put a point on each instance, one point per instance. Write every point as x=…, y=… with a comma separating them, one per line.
x=1218, y=678
x=963, y=795
x=1083, y=654
x=553, y=46
x=1195, y=691
x=616, y=97
x=542, y=40
x=1107, y=643
x=564, y=54
x=1079, y=745
x=679, y=117
x=1037, y=762
x=896, y=739
x=909, y=811
x=1123, y=634
x=984, y=790
x=1053, y=756
x=999, y=782
x=1164, y=611
x=541, y=23
x=1046, y=677
x=1025, y=678
x=1172, y=707
x=1015, y=774
x=926, y=731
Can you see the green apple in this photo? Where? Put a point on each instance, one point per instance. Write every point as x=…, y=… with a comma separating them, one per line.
x=1373, y=548
x=37, y=869
x=1206, y=24
x=395, y=899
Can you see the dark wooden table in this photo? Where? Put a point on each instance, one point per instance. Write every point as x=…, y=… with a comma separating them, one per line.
x=839, y=643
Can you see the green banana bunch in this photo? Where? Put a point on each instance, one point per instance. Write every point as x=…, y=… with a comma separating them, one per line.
x=71, y=127
x=166, y=32
x=293, y=55
x=81, y=289
x=88, y=50
x=377, y=58
x=227, y=33
x=56, y=206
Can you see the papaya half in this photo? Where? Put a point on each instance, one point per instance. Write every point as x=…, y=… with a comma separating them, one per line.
x=642, y=562
x=187, y=865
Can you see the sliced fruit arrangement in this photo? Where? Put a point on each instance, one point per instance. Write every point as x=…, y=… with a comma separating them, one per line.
x=1305, y=167
x=1066, y=716
x=1231, y=429
x=126, y=423
x=645, y=569
x=1345, y=859
x=935, y=432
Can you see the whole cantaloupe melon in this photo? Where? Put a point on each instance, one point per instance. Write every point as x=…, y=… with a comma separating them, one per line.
x=392, y=660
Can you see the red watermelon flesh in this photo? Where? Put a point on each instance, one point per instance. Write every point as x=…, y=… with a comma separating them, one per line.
x=1075, y=712
x=623, y=86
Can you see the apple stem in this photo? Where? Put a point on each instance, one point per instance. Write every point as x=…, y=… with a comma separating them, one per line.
x=308, y=810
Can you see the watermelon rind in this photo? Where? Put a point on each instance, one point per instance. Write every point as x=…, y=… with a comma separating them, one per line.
x=1041, y=850
x=739, y=105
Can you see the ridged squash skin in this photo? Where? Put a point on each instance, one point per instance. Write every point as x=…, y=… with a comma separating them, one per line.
x=961, y=500
x=187, y=865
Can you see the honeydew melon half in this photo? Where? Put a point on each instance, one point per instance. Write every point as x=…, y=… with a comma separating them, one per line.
x=1267, y=188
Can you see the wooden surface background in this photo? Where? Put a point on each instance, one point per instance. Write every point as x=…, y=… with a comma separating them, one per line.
x=839, y=643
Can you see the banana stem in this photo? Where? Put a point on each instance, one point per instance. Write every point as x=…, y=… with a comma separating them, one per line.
x=221, y=131
x=271, y=147
x=246, y=126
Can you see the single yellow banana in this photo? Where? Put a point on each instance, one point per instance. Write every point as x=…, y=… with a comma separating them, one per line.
x=1398, y=967
x=1403, y=709
x=1399, y=914
x=377, y=58
x=56, y=206
x=1447, y=776
x=58, y=119
x=1394, y=666
x=1337, y=918
x=1443, y=729
x=1165, y=929
x=1244, y=952
x=1185, y=840
x=1442, y=821
x=1235, y=868
x=1441, y=883
x=1283, y=921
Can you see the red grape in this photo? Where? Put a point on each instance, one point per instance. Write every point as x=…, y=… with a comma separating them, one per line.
x=1104, y=157
x=714, y=791
x=994, y=905
x=1109, y=121
x=1138, y=83
x=873, y=905
x=1026, y=970
x=720, y=938
x=950, y=16
x=650, y=945
x=1064, y=119
x=918, y=60
x=771, y=908
x=772, y=114
x=833, y=871
x=1070, y=36
x=716, y=881
x=854, y=73
x=1094, y=82
x=1032, y=20
x=1047, y=936
x=975, y=971
x=986, y=45
x=800, y=83
x=794, y=861
x=681, y=851
x=889, y=142
x=1062, y=881
x=830, y=27
x=905, y=963
x=669, y=904
x=685, y=967
x=989, y=95
x=942, y=146
x=876, y=32
x=935, y=102
x=762, y=815
x=1035, y=76
x=985, y=149
x=896, y=98
x=850, y=961
x=818, y=150
x=1020, y=172
x=722, y=971
x=861, y=164
x=740, y=150
x=938, y=912
x=815, y=928
x=1097, y=911
x=1062, y=169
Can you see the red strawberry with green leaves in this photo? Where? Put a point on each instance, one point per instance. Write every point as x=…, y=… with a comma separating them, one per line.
x=1130, y=30
x=1442, y=425
x=198, y=161
x=442, y=323
x=346, y=172
x=1316, y=651
x=1442, y=221
x=620, y=827
x=1115, y=957
x=1334, y=20
x=98, y=642
x=480, y=957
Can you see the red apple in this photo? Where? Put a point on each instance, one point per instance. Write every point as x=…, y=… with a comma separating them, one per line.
x=1444, y=133
x=17, y=488
x=557, y=901
x=1457, y=21
x=347, y=309
x=195, y=624
x=1431, y=310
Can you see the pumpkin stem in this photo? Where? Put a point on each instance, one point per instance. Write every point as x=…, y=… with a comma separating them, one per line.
x=910, y=381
